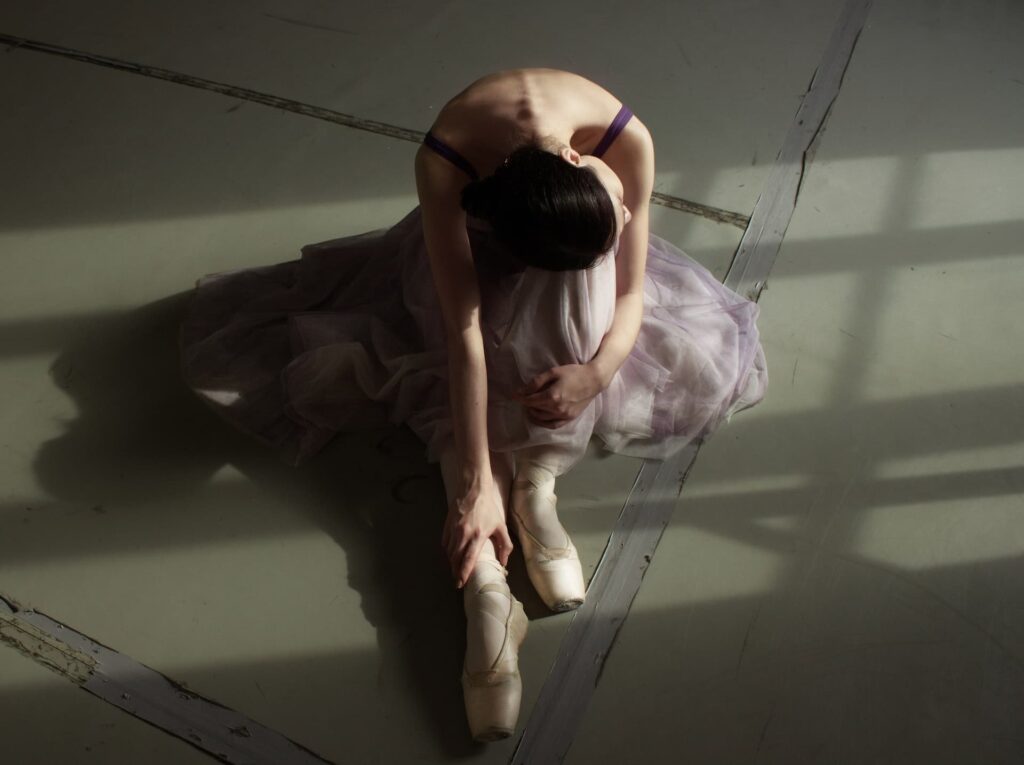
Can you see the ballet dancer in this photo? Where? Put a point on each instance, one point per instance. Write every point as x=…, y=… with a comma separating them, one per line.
x=560, y=207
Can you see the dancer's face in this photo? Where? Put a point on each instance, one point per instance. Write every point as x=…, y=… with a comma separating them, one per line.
x=609, y=180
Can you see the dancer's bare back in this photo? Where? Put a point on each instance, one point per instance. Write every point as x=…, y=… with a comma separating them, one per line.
x=496, y=114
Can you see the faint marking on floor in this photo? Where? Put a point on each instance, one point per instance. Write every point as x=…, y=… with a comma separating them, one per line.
x=714, y=214
x=145, y=693
x=583, y=653
x=310, y=25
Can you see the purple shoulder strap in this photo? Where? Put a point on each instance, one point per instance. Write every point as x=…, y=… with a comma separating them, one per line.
x=613, y=130
x=449, y=153
x=461, y=162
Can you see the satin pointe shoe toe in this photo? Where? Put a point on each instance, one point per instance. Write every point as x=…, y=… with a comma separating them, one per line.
x=496, y=626
x=555, y=571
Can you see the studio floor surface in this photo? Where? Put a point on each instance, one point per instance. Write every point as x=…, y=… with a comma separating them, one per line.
x=842, y=580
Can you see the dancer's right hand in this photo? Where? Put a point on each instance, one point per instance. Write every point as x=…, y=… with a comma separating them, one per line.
x=475, y=517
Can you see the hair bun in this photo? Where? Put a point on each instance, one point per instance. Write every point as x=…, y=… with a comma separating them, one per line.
x=478, y=198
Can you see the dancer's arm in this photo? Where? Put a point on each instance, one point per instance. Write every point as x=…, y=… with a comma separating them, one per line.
x=451, y=263
x=477, y=515
x=468, y=375
x=632, y=159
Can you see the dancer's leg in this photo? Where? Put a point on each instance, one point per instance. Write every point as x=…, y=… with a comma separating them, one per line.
x=539, y=517
x=502, y=467
x=552, y=561
x=495, y=623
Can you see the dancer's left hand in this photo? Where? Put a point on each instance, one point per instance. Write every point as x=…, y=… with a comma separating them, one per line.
x=558, y=396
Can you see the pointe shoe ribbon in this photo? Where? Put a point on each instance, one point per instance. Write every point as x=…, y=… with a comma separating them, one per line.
x=541, y=552
x=494, y=675
x=493, y=696
x=556, y=572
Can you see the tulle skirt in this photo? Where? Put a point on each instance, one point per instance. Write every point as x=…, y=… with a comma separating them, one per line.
x=350, y=335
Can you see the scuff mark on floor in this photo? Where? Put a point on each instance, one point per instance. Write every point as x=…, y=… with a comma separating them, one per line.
x=746, y=638
x=764, y=731
x=309, y=25
x=683, y=54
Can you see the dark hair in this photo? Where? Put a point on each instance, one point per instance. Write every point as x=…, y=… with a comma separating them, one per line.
x=552, y=214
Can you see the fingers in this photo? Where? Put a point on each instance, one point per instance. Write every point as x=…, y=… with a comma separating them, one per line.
x=503, y=545
x=469, y=561
x=463, y=556
x=463, y=550
x=538, y=381
x=547, y=408
x=541, y=400
x=462, y=553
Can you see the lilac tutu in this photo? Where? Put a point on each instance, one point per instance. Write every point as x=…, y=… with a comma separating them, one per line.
x=351, y=335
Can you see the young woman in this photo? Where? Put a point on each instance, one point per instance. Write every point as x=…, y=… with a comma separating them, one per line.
x=522, y=307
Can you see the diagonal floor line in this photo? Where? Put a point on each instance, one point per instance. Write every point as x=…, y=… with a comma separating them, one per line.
x=146, y=694
x=565, y=696
x=715, y=214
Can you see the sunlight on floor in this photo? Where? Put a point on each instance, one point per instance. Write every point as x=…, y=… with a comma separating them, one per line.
x=1008, y=456
x=713, y=568
x=149, y=257
x=940, y=534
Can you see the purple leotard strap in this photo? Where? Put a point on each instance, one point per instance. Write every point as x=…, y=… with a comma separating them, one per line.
x=613, y=130
x=449, y=153
x=462, y=163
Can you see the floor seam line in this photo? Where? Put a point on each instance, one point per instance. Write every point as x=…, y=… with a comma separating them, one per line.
x=714, y=214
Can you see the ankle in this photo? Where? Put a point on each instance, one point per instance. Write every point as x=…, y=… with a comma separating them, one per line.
x=534, y=505
x=487, y=570
x=536, y=474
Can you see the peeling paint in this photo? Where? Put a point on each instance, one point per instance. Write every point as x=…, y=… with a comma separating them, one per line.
x=9, y=604
x=145, y=693
x=45, y=650
x=715, y=214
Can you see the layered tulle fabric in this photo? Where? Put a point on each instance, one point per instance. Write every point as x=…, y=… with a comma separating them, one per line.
x=351, y=335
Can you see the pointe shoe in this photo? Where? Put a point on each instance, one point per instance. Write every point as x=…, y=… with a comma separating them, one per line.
x=492, y=696
x=556, y=572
